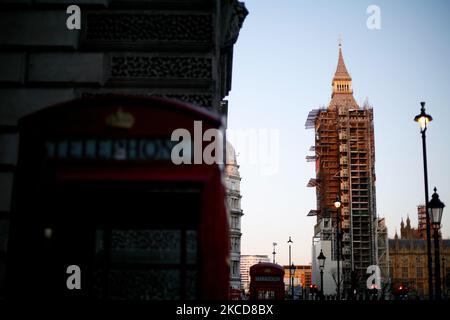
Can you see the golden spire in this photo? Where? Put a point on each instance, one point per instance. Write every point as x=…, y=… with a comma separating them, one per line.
x=341, y=70
x=342, y=82
x=342, y=95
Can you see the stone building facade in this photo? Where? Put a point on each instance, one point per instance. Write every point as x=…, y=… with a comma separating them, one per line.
x=408, y=262
x=180, y=49
x=302, y=276
x=233, y=188
x=408, y=232
x=246, y=262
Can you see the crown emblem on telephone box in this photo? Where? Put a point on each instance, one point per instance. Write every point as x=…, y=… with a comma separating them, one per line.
x=120, y=119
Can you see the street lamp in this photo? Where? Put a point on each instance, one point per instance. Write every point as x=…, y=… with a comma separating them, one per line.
x=444, y=285
x=291, y=278
x=337, y=204
x=274, y=252
x=436, y=207
x=321, y=259
x=424, y=119
x=292, y=273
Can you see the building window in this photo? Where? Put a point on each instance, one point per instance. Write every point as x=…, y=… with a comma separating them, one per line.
x=420, y=288
x=235, y=268
x=235, y=223
x=235, y=203
x=419, y=271
x=235, y=244
x=405, y=272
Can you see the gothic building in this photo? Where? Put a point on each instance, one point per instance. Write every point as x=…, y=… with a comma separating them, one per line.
x=233, y=181
x=408, y=232
x=408, y=261
x=344, y=157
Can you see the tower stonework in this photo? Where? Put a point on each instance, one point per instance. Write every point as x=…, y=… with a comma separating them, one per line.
x=345, y=168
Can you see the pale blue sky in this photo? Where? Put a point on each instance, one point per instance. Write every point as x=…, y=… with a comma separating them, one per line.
x=284, y=61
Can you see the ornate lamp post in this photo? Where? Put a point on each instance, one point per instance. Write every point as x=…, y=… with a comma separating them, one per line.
x=436, y=207
x=274, y=252
x=321, y=259
x=444, y=280
x=423, y=119
x=290, y=267
x=337, y=204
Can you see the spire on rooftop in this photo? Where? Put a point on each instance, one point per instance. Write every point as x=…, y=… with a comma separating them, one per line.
x=342, y=95
x=341, y=70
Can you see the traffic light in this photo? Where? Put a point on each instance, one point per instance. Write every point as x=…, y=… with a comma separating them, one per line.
x=313, y=288
x=402, y=290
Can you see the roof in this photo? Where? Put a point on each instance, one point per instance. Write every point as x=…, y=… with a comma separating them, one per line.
x=267, y=265
x=417, y=243
x=406, y=244
x=343, y=100
x=125, y=100
x=341, y=70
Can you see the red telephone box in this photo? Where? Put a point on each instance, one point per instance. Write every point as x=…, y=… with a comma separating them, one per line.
x=266, y=281
x=95, y=187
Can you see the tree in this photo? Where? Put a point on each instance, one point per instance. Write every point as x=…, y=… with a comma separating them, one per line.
x=334, y=276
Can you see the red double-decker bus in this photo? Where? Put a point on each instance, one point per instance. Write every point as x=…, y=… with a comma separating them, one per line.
x=266, y=281
x=95, y=188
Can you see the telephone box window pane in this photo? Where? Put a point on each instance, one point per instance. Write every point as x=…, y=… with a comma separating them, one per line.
x=266, y=295
x=8, y=148
x=90, y=148
x=191, y=246
x=191, y=285
x=76, y=149
x=146, y=246
x=152, y=284
x=4, y=229
x=105, y=149
x=62, y=149
x=99, y=241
